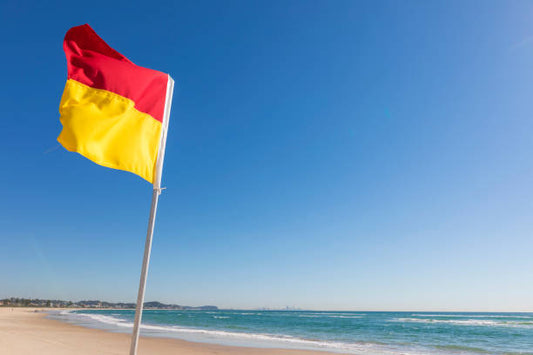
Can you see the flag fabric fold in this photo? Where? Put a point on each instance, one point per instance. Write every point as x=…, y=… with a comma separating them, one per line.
x=111, y=109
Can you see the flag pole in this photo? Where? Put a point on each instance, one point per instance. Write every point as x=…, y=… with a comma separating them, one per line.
x=151, y=221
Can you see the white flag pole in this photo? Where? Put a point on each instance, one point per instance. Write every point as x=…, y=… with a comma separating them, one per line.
x=151, y=222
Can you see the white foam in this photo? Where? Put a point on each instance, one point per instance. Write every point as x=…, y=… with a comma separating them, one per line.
x=468, y=322
x=105, y=319
x=271, y=340
x=471, y=316
x=246, y=339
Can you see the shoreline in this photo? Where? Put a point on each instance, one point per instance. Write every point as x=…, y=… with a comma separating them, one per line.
x=25, y=331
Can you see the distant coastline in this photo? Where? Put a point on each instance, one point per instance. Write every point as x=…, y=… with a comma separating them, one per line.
x=40, y=303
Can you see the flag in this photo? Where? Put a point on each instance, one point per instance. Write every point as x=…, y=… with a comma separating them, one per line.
x=112, y=110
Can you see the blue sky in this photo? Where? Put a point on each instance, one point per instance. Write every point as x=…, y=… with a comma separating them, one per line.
x=325, y=155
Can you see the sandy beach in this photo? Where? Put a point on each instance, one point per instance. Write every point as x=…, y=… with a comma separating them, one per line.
x=27, y=331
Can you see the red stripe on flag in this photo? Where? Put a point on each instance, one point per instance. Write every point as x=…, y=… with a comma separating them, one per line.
x=91, y=61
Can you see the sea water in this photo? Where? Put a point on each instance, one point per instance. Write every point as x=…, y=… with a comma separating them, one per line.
x=342, y=332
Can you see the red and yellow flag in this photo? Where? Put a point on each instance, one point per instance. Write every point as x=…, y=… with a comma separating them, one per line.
x=111, y=110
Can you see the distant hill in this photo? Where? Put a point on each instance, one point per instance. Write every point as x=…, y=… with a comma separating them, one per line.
x=28, y=302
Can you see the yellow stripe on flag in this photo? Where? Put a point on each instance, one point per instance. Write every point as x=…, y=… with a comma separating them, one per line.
x=106, y=128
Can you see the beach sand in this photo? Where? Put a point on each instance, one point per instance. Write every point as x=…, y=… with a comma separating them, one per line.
x=25, y=331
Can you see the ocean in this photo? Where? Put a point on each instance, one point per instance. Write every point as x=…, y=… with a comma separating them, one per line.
x=343, y=332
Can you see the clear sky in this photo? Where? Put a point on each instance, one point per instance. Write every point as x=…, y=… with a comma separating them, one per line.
x=321, y=154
